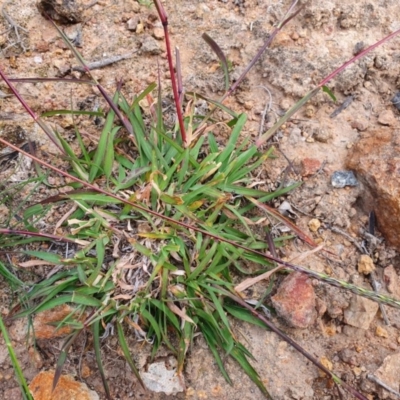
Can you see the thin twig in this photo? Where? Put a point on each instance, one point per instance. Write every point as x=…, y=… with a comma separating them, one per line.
x=179, y=75
x=267, y=43
x=262, y=49
x=15, y=27
x=292, y=343
x=375, y=285
x=91, y=4
x=347, y=101
x=266, y=109
x=373, y=378
x=347, y=236
x=103, y=63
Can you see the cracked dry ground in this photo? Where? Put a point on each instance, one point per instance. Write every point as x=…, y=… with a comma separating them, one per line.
x=345, y=332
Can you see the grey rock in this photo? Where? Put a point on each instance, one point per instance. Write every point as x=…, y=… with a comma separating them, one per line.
x=150, y=46
x=396, y=100
x=361, y=312
x=340, y=179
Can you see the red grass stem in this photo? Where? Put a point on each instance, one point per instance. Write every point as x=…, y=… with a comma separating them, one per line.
x=37, y=119
x=164, y=20
x=355, y=58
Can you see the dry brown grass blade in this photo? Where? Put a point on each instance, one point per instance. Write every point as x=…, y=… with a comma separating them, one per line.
x=252, y=281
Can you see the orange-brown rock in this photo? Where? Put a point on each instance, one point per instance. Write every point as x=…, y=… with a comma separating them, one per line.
x=45, y=323
x=376, y=161
x=295, y=301
x=310, y=166
x=67, y=388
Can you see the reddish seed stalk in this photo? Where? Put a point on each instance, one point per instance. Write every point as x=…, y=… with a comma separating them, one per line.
x=164, y=20
x=261, y=51
x=37, y=119
x=292, y=343
x=355, y=58
x=37, y=234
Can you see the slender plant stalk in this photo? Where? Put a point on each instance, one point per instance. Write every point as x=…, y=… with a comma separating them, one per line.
x=314, y=91
x=317, y=275
x=179, y=75
x=35, y=117
x=287, y=339
x=288, y=17
x=164, y=20
x=37, y=234
x=17, y=368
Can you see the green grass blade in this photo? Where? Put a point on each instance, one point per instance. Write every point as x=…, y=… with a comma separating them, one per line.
x=232, y=142
x=49, y=257
x=143, y=94
x=106, y=140
x=262, y=139
x=74, y=298
x=14, y=361
x=209, y=336
x=109, y=153
x=249, y=370
x=97, y=351
x=153, y=323
x=217, y=304
x=100, y=254
x=127, y=354
x=11, y=279
x=63, y=356
x=205, y=259
x=220, y=54
x=243, y=314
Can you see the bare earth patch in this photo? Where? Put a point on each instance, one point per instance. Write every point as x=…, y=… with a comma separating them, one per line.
x=349, y=334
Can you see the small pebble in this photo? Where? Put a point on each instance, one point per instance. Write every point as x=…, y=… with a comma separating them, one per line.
x=132, y=24
x=381, y=332
x=150, y=46
x=327, y=364
x=387, y=118
x=314, y=225
x=365, y=265
x=310, y=111
x=310, y=166
x=340, y=179
x=322, y=135
x=396, y=100
x=249, y=105
x=158, y=33
x=360, y=125
x=285, y=104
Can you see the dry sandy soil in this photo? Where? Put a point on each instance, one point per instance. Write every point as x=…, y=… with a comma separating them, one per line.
x=321, y=38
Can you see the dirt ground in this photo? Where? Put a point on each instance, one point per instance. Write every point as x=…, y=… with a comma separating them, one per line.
x=318, y=40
